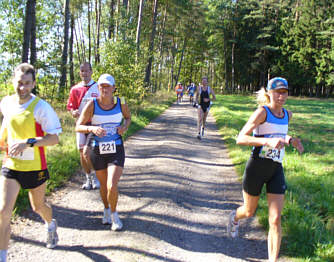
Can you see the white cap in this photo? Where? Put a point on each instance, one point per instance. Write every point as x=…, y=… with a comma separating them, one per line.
x=106, y=79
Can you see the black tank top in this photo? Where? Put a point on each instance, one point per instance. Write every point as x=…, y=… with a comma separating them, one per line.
x=204, y=94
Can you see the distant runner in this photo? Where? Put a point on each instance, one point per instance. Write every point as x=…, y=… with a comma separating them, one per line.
x=191, y=91
x=269, y=124
x=179, y=92
x=204, y=102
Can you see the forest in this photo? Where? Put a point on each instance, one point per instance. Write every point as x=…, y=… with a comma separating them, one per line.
x=149, y=45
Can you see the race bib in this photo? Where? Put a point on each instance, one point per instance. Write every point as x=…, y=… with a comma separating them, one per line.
x=272, y=153
x=107, y=147
x=27, y=154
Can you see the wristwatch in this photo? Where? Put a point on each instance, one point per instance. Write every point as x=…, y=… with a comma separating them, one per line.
x=31, y=141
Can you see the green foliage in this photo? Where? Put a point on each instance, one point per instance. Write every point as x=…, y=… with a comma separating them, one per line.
x=308, y=214
x=119, y=60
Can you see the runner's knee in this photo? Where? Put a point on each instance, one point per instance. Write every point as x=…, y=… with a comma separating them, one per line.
x=274, y=220
x=5, y=214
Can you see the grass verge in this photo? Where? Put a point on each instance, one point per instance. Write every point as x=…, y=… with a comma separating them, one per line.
x=308, y=214
x=63, y=159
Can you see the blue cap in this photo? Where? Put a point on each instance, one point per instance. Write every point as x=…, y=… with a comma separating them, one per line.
x=277, y=83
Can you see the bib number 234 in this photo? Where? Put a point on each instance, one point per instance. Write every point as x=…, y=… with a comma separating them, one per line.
x=107, y=147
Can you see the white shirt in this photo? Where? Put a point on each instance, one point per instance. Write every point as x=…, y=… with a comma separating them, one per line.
x=43, y=113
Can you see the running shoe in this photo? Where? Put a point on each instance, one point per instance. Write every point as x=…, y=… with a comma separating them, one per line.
x=52, y=236
x=202, y=131
x=88, y=184
x=199, y=136
x=106, y=220
x=95, y=182
x=232, y=227
x=116, y=222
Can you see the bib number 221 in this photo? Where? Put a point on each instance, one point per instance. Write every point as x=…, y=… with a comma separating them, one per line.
x=107, y=147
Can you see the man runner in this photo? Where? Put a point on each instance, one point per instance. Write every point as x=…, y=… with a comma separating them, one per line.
x=29, y=124
x=80, y=94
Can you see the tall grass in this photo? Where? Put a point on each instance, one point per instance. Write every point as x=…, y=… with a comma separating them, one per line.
x=308, y=215
x=63, y=159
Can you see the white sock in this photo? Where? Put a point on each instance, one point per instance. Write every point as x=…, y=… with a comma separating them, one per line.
x=51, y=226
x=3, y=255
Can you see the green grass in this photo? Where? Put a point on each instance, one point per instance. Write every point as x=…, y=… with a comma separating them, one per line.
x=63, y=159
x=308, y=215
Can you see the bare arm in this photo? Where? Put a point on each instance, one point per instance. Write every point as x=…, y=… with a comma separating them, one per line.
x=294, y=141
x=245, y=137
x=213, y=94
x=84, y=118
x=47, y=140
x=127, y=119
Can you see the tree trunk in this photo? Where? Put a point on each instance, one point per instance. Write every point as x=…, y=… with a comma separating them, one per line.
x=89, y=34
x=98, y=26
x=62, y=82
x=180, y=65
x=72, y=82
x=27, y=31
x=151, y=47
x=111, y=27
x=33, y=51
x=140, y=14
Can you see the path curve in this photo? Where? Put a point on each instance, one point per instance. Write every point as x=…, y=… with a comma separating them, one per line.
x=175, y=197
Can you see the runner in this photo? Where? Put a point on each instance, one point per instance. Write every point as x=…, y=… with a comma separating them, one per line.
x=203, y=93
x=269, y=124
x=179, y=91
x=28, y=126
x=191, y=91
x=80, y=94
x=105, y=140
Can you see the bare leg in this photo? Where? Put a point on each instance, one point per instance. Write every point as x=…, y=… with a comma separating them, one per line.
x=84, y=160
x=248, y=208
x=275, y=205
x=38, y=204
x=114, y=174
x=199, y=119
x=9, y=189
x=205, y=115
x=102, y=175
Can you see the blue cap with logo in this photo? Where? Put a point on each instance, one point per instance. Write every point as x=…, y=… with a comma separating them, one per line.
x=277, y=83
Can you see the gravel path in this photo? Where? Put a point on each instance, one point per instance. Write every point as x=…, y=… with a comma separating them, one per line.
x=175, y=196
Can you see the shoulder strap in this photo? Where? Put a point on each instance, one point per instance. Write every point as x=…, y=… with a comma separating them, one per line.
x=33, y=104
x=121, y=99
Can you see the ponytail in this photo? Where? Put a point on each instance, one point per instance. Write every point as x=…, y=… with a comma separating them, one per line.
x=262, y=97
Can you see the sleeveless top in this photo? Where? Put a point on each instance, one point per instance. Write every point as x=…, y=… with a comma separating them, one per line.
x=204, y=94
x=108, y=120
x=21, y=127
x=273, y=127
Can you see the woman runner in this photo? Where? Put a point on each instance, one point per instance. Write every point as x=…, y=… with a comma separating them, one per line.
x=106, y=152
x=269, y=124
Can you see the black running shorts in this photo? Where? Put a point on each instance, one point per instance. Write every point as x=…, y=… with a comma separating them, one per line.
x=261, y=170
x=27, y=179
x=205, y=106
x=101, y=161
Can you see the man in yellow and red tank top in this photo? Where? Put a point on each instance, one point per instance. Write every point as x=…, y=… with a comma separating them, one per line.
x=80, y=94
x=29, y=125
